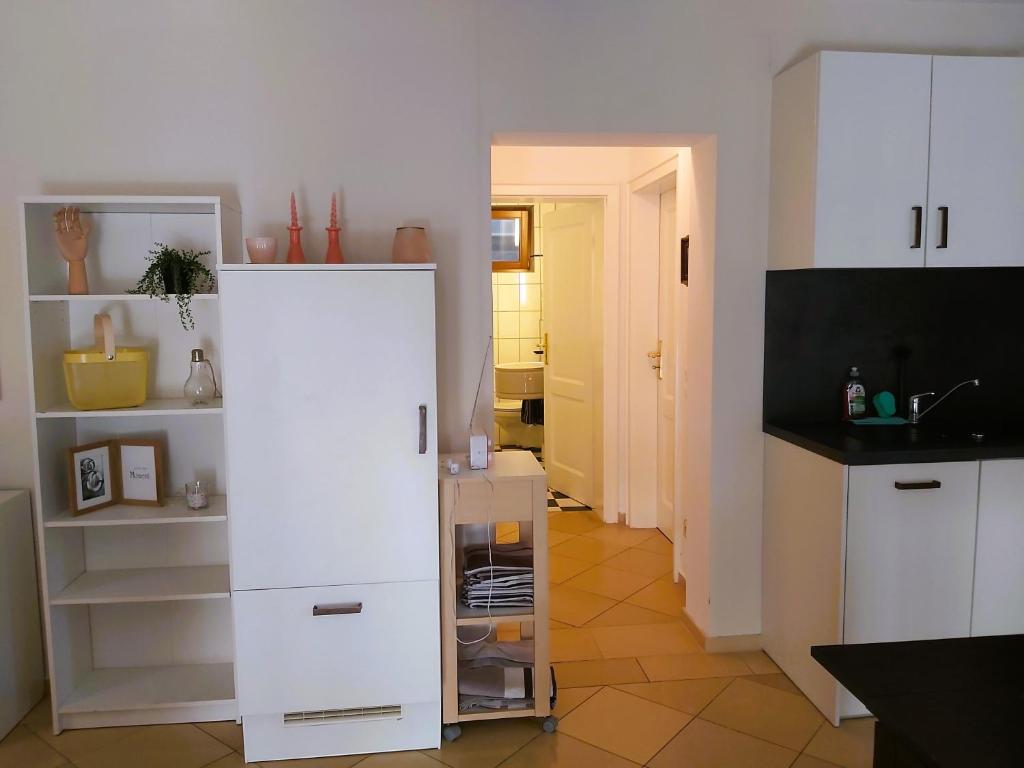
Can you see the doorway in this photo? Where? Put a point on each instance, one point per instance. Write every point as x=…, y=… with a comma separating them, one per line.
x=548, y=316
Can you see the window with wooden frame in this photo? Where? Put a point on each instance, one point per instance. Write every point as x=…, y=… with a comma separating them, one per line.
x=511, y=237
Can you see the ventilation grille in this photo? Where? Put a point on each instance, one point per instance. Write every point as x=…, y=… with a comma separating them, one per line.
x=354, y=714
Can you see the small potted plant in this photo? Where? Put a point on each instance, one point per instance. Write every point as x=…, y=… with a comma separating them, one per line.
x=178, y=273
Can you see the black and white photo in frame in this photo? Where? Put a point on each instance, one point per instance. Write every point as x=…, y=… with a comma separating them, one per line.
x=92, y=480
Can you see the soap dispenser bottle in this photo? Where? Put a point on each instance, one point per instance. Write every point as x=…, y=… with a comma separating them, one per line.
x=854, y=396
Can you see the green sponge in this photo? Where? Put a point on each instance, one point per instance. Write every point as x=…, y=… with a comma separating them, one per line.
x=885, y=404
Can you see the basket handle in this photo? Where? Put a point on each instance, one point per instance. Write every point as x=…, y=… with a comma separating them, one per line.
x=103, y=329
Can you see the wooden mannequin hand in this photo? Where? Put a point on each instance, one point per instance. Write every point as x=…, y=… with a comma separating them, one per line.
x=72, y=233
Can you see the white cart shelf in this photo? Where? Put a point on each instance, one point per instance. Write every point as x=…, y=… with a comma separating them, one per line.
x=137, y=606
x=473, y=503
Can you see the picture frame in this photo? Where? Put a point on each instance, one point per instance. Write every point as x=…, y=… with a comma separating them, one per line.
x=109, y=472
x=511, y=237
x=141, y=472
x=92, y=476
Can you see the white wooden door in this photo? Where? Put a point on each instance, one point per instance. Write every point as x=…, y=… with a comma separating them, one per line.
x=330, y=480
x=668, y=279
x=999, y=565
x=571, y=234
x=976, y=176
x=872, y=164
x=910, y=552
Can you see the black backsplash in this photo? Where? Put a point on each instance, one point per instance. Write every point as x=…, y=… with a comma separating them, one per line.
x=956, y=324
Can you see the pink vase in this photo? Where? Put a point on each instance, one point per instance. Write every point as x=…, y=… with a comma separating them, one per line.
x=410, y=246
x=295, y=254
x=333, y=247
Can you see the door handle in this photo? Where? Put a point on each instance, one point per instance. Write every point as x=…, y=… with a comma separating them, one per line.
x=337, y=609
x=655, y=358
x=923, y=485
x=547, y=353
x=918, y=217
x=943, y=226
x=423, y=429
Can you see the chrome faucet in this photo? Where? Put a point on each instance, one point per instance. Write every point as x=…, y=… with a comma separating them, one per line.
x=914, y=406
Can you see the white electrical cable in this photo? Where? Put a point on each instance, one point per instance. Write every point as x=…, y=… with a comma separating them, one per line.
x=491, y=626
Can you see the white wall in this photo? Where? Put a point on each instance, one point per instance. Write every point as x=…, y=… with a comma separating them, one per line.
x=394, y=103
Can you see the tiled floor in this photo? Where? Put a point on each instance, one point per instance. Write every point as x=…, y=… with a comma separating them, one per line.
x=634, y=689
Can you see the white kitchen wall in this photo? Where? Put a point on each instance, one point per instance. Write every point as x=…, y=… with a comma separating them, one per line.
x=394, y=103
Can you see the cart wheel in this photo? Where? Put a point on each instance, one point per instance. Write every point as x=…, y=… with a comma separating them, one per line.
x=550, y=724
x=451, y=732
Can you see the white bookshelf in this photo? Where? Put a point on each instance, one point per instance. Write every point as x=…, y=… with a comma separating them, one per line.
x=137, y=606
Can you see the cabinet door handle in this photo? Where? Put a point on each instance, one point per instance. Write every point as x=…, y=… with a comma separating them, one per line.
x=943, y=226
x=423, y=429
x=922, y=485
x=337, y=609
x=918, y=218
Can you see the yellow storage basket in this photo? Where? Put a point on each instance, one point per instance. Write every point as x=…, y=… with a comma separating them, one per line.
x=107, y=376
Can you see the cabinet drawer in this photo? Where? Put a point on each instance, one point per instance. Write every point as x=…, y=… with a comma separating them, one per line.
x=910, y=551
x=321, y=648
x=505, y=501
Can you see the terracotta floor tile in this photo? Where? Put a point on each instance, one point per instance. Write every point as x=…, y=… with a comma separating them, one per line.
x=623, y=724
x=851, y=745
x=657, y=543
x=570, y=698
x=574, y=606
x=563, y=568
x=574, y=522
x=806, y=761
x=621, y=534
x=661, y=596
x=343, y=761
x=485, y=744
x=585, y=548
x=227, y=731
x=649, y=640
x=766, y=713
x=641, y=561
x=393, y=760
x=610, y=583
x=685, y=695
x=506, y=533
x=560, y=750
x=158, y=746
x=625, y=614
x=706, y=745
x=552, y=624
x=21, y=748
x=573, y=645
x=558, y=537
x=778, y=681
x=40, y=717
x=235, y=760
x=577, y=674
x=75, y=744
x=759, y=662
x=692, y=666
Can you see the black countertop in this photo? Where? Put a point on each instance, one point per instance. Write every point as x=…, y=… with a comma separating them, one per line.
x=953, y=702
x=905, y=444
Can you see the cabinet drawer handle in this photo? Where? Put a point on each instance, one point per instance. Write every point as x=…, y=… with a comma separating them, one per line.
x=338, y=609
x=918, y=216
x=943, y=226
x=423, y=429
x=923, y=485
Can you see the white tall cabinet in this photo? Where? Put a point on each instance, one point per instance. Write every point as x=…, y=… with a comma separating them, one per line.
x=332, y=470
x=897, y=160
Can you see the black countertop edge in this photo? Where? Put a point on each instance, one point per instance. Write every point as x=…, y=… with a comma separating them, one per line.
x=836, y=443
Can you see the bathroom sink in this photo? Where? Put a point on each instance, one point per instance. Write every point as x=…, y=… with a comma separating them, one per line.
x=519, y=381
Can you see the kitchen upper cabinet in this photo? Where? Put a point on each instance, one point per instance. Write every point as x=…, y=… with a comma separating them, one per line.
x=910, y=551
x=897, y=160
x=999, y=569
x=976, y=181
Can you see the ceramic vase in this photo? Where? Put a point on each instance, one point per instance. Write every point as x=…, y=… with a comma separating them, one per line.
x=410, y=246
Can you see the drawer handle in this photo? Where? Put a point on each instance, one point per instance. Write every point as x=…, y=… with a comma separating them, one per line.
x=338, y=609
x=923, y=485
x=423, y=429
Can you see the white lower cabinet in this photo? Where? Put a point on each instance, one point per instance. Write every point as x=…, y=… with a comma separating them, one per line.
x=999, y=568
x=910, y=551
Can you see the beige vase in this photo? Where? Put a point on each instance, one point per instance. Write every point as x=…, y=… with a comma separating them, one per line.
x=411, y=246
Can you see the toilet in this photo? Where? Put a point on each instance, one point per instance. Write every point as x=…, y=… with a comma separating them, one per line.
x=509, y=427
x=514, y=382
